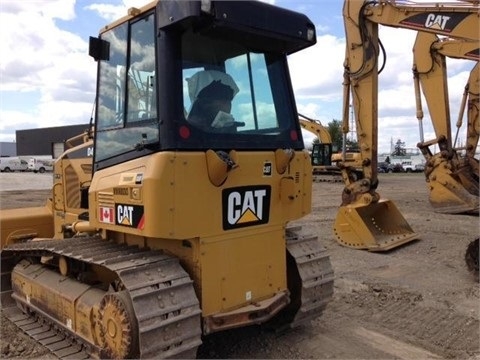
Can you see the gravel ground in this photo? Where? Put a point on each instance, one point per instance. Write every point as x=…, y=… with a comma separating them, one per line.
x=26, y=181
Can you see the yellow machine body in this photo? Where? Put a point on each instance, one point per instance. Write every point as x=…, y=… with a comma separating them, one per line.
x=25, y=223
x=324, y=160
x=167, y=212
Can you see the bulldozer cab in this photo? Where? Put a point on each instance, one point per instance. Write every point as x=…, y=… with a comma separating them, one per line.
x=150, y=86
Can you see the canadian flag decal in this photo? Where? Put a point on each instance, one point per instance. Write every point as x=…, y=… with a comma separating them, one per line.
x=106, y=215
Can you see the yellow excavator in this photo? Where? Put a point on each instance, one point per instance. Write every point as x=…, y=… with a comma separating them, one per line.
x=325, y=161
x=183, y=227
x=452, y=176
x=365, y=220
x=322, y=150
x=452, y=173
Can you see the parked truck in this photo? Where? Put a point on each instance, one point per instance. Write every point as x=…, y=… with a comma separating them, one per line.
x=40, y=164
x=12, y=163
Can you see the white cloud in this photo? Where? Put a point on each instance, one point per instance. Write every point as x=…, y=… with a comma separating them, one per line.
x=317, y=71
x=111, y=12
x=46, y=74
x=53, y=9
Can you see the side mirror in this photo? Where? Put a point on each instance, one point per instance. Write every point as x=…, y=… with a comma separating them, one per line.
x=99, y=49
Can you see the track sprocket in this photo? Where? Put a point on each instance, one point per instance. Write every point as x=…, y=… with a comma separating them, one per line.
x=118, y=326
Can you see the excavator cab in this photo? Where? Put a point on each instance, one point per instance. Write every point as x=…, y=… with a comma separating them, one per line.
x=321, y=154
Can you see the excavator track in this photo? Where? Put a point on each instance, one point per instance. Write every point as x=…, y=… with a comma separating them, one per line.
x=151, y=284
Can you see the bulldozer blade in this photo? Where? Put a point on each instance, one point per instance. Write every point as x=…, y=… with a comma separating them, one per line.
x=375, y=227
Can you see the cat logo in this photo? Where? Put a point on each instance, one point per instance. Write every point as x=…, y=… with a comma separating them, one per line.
x=436, y=21
x=245, y=206
x=443, y=22
x=129, y=215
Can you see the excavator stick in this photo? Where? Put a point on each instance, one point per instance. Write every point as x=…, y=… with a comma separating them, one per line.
x=378, y=226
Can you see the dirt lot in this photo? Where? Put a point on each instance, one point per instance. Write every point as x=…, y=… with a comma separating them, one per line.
x=415, y=302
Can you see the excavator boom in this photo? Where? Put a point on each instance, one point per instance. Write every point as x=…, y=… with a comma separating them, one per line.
x=455, y=19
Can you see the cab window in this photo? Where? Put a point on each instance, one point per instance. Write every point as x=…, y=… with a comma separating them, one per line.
x=127, y=113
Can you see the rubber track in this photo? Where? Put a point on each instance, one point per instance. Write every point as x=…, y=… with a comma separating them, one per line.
x=164, y=301
x=316, y=273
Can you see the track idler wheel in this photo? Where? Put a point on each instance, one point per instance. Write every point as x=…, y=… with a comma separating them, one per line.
x=118, y=326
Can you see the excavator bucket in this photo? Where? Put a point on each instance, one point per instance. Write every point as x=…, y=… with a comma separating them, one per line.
x=453, y=194
x=375, y=227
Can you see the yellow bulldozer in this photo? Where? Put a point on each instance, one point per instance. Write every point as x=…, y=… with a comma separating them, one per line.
x=173, y=219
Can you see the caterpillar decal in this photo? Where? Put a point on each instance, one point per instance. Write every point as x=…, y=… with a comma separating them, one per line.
x=245, y=206
x=443, y=22
x=129, y=215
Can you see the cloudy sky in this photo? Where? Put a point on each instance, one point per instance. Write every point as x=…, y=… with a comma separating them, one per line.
x=47, y=78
